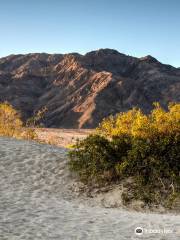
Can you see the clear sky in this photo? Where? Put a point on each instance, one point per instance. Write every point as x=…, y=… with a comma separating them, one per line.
x=133, y=27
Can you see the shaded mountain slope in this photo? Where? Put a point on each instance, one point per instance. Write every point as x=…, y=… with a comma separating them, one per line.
x=80, y=90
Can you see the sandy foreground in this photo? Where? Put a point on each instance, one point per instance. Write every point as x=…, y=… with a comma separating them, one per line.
x=38, y=201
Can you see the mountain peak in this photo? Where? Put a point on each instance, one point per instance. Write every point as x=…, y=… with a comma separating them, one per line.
x=104, y=51
x=149, y=59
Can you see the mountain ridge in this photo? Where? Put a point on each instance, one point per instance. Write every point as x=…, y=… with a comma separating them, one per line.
x=80, y=90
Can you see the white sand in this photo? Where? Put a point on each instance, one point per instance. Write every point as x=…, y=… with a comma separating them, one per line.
x=36, y=201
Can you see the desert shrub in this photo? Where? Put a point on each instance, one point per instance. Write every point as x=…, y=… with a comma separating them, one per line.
x=132, y=144
x=11, y=124
x=95, y=158
x=92, y=158
x=155, y=165
x=37, y=118
x=137, y=124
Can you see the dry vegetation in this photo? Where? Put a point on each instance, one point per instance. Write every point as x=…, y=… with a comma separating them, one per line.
x=134, y=145
x=11, y=124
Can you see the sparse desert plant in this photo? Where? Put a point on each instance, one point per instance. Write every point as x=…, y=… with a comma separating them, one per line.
x=132, y=144
x=38, y=116
x=96, y=158
x=11, y=124
x=92, y=158
x=137, y=124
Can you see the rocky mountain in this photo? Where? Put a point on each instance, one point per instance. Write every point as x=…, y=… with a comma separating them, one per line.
x=80, y=90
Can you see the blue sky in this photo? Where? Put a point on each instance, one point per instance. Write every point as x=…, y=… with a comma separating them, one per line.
x=133, y=27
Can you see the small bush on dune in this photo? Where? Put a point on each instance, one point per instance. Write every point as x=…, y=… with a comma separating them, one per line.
x=132, y=144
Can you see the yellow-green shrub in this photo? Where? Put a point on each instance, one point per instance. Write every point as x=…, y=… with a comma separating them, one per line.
x=137, y=124
x=132, y=144
x=11, y=124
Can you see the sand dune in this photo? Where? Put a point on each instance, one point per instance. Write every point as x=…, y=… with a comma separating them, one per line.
x=37, y=201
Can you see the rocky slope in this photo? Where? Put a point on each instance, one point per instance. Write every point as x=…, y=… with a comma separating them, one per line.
x=80, y=90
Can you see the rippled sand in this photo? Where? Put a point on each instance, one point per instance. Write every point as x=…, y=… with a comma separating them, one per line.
x=36, y=201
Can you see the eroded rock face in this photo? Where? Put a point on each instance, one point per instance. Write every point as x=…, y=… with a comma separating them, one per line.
x=80, y=90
